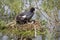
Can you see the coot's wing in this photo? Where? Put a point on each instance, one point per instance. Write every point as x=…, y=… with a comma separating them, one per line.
x=22, y=16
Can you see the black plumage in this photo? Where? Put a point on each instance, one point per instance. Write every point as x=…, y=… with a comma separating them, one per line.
x=24, y=17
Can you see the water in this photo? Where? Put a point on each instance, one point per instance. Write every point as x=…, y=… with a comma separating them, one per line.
x=0, y=36
x=5, y=37
x=59, y=38
x=38, y=38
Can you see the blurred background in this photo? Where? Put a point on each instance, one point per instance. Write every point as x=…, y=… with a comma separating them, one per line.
x=47, y=13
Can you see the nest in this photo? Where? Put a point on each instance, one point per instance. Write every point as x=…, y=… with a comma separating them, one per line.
x=25, y=27
x=28, y=26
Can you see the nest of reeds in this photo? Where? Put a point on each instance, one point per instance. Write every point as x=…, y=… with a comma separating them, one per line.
x=28, y=26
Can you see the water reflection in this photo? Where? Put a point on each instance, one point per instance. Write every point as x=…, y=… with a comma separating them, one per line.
x=38, y=38
x=5, y=37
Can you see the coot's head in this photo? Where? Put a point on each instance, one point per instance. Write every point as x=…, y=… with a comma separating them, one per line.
x=32, y=9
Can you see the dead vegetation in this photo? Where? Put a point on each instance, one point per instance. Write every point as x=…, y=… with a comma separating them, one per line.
x=28, y=26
